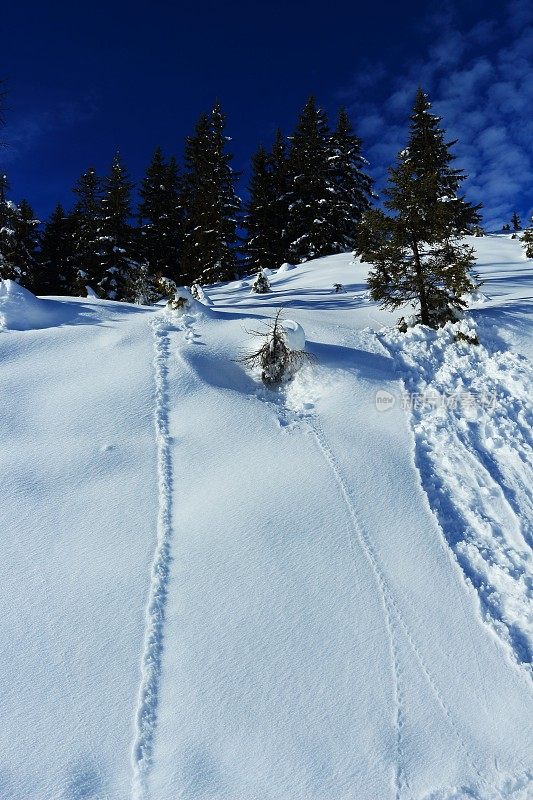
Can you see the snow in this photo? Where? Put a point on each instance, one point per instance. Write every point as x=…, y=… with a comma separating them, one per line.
x=20, y=310
x=295, y=334
x=215, y=590
x=203, y=297
x=286, y=267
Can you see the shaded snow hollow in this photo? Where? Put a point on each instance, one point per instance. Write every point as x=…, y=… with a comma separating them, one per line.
x=214, y=590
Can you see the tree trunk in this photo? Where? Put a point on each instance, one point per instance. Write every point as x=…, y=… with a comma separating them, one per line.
x=422, y=297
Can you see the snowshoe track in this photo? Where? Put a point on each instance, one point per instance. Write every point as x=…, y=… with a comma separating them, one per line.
x=474, y=454
x=151, y=662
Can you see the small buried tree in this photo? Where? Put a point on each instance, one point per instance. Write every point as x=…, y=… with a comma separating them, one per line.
x=275, y=358
x=527, y=240
x=261, y=284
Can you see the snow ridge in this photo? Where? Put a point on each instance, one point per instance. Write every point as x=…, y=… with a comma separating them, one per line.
x=151, y=663
x=469, y=410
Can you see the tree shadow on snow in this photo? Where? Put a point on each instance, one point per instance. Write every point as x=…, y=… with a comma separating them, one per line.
x=362, y=363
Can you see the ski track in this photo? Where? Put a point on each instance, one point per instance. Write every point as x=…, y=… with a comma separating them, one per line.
x=152, y=656
x=392, y=611
x=400, y=781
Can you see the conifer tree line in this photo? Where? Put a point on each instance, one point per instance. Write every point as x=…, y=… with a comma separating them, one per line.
x=307, y=194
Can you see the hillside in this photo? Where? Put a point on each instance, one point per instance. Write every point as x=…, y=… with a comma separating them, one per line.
x=216, y=591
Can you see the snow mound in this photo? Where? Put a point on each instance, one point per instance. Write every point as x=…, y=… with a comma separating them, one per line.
x=193, y=306
x=203, y=298
x=295, y=334
x=242, y=284
x=476, y=298
x=286, y=267
x=20, y=310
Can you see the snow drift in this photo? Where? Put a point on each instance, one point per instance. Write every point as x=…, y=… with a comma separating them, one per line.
x=20, y=310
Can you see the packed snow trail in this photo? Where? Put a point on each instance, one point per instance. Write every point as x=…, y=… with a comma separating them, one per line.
x=472, y=419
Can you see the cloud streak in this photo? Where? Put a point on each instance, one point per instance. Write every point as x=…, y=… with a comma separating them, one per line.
x=479, y=81
x=22, y=133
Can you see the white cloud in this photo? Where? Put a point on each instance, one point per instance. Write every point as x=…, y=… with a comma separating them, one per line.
x=480, y=83
x=23, y=132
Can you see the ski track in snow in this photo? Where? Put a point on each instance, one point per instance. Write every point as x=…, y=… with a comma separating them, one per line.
x=151, y=663
x=475, y=467
x=392, y=612
x=400, y=781
x=289, y=416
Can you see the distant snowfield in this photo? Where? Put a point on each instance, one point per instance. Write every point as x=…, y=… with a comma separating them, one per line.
x=213, y=591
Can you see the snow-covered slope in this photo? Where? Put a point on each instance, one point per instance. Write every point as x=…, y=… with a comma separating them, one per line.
x=212, y=590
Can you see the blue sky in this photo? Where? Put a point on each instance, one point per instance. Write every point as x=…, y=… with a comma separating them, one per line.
x=87, y=79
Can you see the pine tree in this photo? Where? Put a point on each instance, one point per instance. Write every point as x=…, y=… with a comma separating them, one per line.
x=261, y=284
x=281, y=185
x=86, y=220
x=118, y=267
x=416, y=254
x=267, y=209
x=311, y=221
x=8, y=211
x=515, y=222
x=161, y=218
x=55, y=274
x=527, y=240
x=258, y=222
x=211, y=204
x=25, y=242
x=353, y=187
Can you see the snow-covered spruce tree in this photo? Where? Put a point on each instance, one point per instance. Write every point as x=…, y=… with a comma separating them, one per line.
x=515, y=222
x=24, y=256
x=86, y=222
x=527, y=240
x=416, y=252
x=261, y=284
x=161, y=218
x=311, y=228
x=276, y=360
x=352, y=186
x=118, y=265
x=8, y=212
x=281, y=184
x=211, y=204
x=267, y=210
x=55, y=257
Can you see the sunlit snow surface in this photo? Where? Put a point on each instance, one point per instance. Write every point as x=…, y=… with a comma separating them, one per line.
x=211, y=590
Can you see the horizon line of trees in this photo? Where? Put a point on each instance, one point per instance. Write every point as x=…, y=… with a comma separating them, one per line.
x=307, y=194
